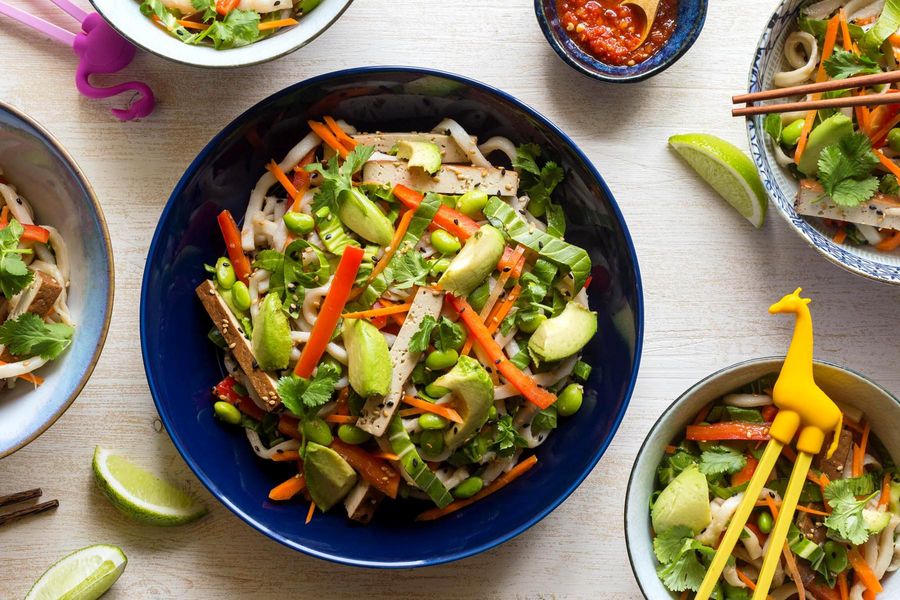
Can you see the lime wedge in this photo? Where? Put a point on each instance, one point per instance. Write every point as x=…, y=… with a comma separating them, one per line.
x=728, y=170
x=85, y=574
x=142, y=495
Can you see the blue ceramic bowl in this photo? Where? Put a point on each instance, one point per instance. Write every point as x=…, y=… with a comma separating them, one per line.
x=182, y=365
x=47, y=176
x=691, y=16
x=780, y=184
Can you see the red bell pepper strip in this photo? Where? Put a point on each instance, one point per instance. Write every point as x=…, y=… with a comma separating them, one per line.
x=376, y=471
x=225, y=391
x=519, y=379
x=729, y=430
x=223, y=7
x=745, y=474
x=331, y=310
x=35, y=233
x=232, y=236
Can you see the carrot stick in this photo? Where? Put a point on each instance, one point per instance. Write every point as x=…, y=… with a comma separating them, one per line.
x=704, y=412
x=288, y=489
x=323, y=132
x=379, y=312
x=375, y=471
x=282, y=178
x=309, y=515
x=842, y=585
x=302, y=179
x=821, y=75
x=864, y=441
x=671, y=449
x=747, y=581
x=290, y=427
x=266, y=25
x=438, y=409
x=232, y=236
x=857, y=464
x=192, y=24
x=4, y=217
x=889, y=243
x=865, y=574
x=503, y=309
x=508, y=260
x=286, y=456
x=499, y=483
x=771, y=504
x=840, y=237
x=745, y=474
x=389, y=252
x=878, y=137
x=812, y=511
x=885, y=497
x=446, y=218
x=340, y=419
x=794, y=571
x=888, y=164
x=385, y=455
x=339, y=133
x=34, y=233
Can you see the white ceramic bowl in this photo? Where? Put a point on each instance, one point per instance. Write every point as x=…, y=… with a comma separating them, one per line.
x=780, y=184
x=126, y=18
x=842, y=385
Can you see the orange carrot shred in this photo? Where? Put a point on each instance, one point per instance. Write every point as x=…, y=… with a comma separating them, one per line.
x=288, y=489
x=389, y=252
x=282, y=178
x=378, y=312
x=889, y=243
x=840, y=237
x=340, y=419
x=438, y=409
x=277, y=24
x=312, y=510
x=747, y=581
x=821, y=75
x=339, y=133
x=323, y=132
x=286, y=456
x=885, y=497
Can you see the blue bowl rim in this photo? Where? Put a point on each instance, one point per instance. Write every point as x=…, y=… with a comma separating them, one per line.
x=518, y=104
x=49, y=139
x=637, y=77
x=693, y=388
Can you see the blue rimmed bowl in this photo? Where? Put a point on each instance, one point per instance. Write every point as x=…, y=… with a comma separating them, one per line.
x=182, y=365
x=61, y=196
x=780, y=184
x=688, y=24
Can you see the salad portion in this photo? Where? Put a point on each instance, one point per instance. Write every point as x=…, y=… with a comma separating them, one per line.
x=401, y=317
x=225, y=24
x=844, y=537
x=845, y=159
x=35, y=324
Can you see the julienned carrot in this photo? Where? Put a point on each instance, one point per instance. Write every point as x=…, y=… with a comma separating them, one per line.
x=310, y=512
x=266, y=25
x=503, y=309
x=438, y=409
x=288, y=489
x=889, y=243
x=389, y=252
x=864, y=440
x=339, y=133
x=341, y=419
x=842, y=585
x=446, y=218
x=857, y=463
x=282, y=178
x=791, y=563
x=515, y=263
x=29, y=377
x=888, y=164
x=879, y=137
x=232, y=236
x=192, y=25
x=330, y=313
x=885, y=497
x=411, y=412
x=32, y=233
x=770, y=502
x=397, y=318
x=4, y=217
x=745, y=474
x=499, y=483
x=376, y=471
x=704, y=412
x=302, y=178
x=729, y=430
x=827, y=48
x=865, y=574
x=379, y=312
x=840, y=237
x=747, y=581
x=286, y=456
x=671, y=449
x=523, y=382
x=812, y=511
x=505, y=274
x=386, y=455
x=323, y=132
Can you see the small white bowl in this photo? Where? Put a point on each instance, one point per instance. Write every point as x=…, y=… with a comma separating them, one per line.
x=842, y=385
x=126, y=18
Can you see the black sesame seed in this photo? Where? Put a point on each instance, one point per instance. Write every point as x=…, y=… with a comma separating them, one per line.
x=497, y=362
x=456, y=221
x=507, y=269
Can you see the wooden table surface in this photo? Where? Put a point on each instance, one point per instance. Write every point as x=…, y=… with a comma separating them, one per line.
x=708, y=278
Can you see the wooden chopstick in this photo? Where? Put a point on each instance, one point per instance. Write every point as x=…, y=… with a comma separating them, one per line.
x=25, y=496
x=822, y=86
x=20, y=497
x=764, y=109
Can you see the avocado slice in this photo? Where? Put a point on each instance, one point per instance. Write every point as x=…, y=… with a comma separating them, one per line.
x=474, y=262
x=328, y=476
x=271, y=340
x=564, y=334
x=425, y=155
x=473, y=393
x=685, y=501
x=368, y=358
x=827, y=133
x=363, y=217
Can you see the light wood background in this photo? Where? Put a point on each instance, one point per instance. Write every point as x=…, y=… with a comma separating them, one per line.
x=708, y=278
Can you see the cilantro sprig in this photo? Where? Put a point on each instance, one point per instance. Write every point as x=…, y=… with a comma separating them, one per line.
x=720, y=460
x=683, y=560
x=14, y=273
x=845, y=170
x=843, y=63
x=539, y=183
x=29, y=335
x=443, y=333
x=338, y=177
x=304, y=397
x=846, y=518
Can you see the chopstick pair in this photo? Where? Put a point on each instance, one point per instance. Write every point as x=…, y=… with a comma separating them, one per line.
x=20, y=497
x=860, y=81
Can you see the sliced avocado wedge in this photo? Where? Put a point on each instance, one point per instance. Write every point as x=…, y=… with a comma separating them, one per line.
x=368, y=358
x=477, y=259
x=827, y=133
x=271, y=340
x=473, y=394
x=328, y=476
x=364, y=217
x=425, y=155
x=685, y=501
x=564, y=334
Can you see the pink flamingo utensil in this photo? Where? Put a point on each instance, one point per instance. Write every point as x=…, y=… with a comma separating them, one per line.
x=100, y=50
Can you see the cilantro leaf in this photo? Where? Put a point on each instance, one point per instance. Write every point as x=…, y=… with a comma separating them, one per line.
x=846, y=518
x=667, y=545
x=507, y=438
x=29, y=335
x=448, y=335
x=843, y=63
x=238, y=28
x=686, y=571
x=408, y=269
x=290, y=389
x=538, y=182
x=170, y=21
x=772, y=126
x=526, y=159
x=719, y=460
x=845, y=167
x=337, y=177
x=303, y=396
x=208, y=7
x=420, y=339
x=14, y=273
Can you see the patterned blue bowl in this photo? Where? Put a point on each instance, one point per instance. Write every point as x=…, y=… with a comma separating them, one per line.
x=61, y=196
x=688, y=24
x=780, y=184
x=182, y=365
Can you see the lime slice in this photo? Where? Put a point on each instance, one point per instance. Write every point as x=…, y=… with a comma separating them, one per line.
x=85, y=574
x=142, y=495
x=728, y=170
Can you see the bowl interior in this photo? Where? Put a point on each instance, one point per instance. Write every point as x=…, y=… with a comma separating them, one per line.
x=779, y=182
x=688, y=24
x=125, y=16
x=182, y=365
x=843, y=386
x=44, y=174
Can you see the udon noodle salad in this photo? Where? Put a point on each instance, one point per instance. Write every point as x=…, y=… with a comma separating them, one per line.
x=846, y=159
x=34, y=277
x=401, y=317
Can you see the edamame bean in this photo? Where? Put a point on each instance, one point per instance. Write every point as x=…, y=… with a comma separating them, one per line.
x=225, y=276
x=436, y=391
x=790, y=135
x=240, y=295
x=468, y=488
x=317, y=430
x=444, y=243
x=299, y=223
x=492, y=413
x=227, y=413
x=835, y=556
x=440, y=266
x=528, y=323
x=479, y=296
x=893, y=139
x=441, y=359
x=430, y=421
x=765, y=521
x=352, y=434
x=472, y=202
x=431, y=441
x=570, y=399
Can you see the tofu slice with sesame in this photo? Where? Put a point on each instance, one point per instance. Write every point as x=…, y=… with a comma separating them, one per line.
x=450, y=179
x=880, y=211
x=383, y=142
x=362, y=501
x=263, y=383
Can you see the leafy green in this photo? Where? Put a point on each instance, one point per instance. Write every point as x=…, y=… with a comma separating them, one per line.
x=726, y=492
x=817, y=28
x=673, y=465
x=556, y=220
x=408, y=269
x=582, y=371
x=414, y=466
x=420, y=339
x=448, y=335
x=238, y=28
x=545, y=420
x=538, y=182
x=889, y=185
x=846, y=518
x=151, y=8
x=337, y=176
x=682, y=559
x=888, y=23
x=772, y=126
x=304, y=396
x=564, y=255
x=721, y=459
x=29, y=335
x=208, y=7
x=526, y=159
x=845, y=170
x=843, y=63
x=301, y=266
x=734, y=413
x=506, y=438
x=14, y=273
x=856, y=486
x=667, y=545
